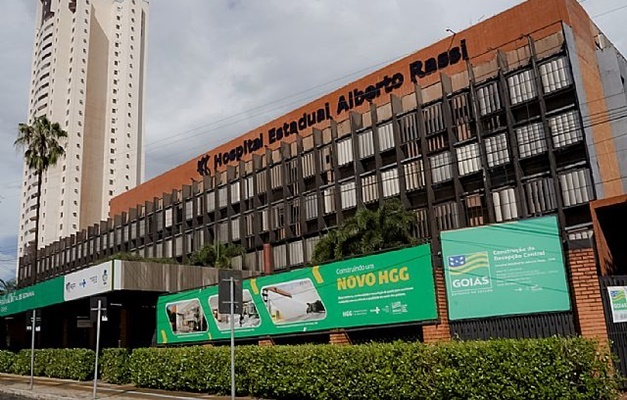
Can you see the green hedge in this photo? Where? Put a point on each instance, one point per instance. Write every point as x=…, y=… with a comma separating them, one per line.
x=6, y=361
x=77, y=364
x=497, y=369
x=114, y=366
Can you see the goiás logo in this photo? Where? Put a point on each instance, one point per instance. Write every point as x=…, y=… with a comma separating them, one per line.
x=619, y=301
x=469, y=272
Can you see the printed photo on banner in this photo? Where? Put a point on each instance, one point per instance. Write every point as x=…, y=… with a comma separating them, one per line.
x=293, y=301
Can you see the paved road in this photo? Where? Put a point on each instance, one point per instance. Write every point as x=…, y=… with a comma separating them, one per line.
x=14, y=387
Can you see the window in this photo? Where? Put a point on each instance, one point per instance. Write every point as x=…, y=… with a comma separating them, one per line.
x=555, y=75
x=249, y=224
x=505, y=206
x=540, y=195
x=414, y=175
x=446, y=216
x=249, y=188
x=260, y=181
x=235, y=231
x=386, y=136
x=210, y=201
x=277, y=212
x=168, y=217
x=276, y=177
x=279, y=255
x=369, y=188
x=222, y=197
x=489, y=99
x=328, y=196
x=421, y=229
x=521, y=87
x=496, y=150
x=461, y=116
x=576, y=187
x=345, y=152
x=434, y=120
x=389, y=179
x=531, y=140
x=347, y=195
x=235, y=192
x=296, y=253
x=565, y=129
x=441, y=167
x=468, y=159
x=409, y=128
x=311, y=206
x=365, y=144
x=475, y=210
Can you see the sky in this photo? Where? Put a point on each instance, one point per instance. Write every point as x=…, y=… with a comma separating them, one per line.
x=219, y=68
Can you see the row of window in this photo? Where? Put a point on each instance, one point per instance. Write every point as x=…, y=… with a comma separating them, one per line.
x=565, y=130
x=554, y=75
x=538, y=196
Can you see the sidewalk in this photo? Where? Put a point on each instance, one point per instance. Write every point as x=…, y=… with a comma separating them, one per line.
x=57, y=389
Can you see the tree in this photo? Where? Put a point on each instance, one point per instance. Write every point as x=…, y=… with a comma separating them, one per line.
x=216, y=255
x=367, y=232
x=42, y=149
x=7, y=286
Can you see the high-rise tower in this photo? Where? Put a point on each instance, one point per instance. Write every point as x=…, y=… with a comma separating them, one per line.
x=88, y=75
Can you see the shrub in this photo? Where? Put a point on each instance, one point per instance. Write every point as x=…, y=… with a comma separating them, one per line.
x=21, y=363
x=499, y=369
x=77, y=364
x=6, y=361
x=114, y=366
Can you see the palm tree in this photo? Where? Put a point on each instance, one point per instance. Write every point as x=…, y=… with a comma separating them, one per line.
x=7, y=286
x=217, y=255
x=42, y=149
x=367, y=232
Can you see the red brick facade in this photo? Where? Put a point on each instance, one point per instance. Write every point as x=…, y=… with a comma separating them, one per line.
x=588, y=307
x=441, y=331
x=340, y=338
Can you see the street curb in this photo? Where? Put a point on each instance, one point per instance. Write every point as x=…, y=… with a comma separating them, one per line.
x=31, y=395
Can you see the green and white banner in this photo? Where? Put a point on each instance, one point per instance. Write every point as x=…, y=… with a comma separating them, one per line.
x=505, y=269
x=618, y=302
x=390, y=288
x=80, y=284
x=37, y=296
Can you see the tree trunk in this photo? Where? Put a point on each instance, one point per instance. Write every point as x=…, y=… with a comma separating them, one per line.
x=34, y=264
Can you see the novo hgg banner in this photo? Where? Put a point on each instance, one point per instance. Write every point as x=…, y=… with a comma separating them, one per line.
x=505, y=269
x=389, y=288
